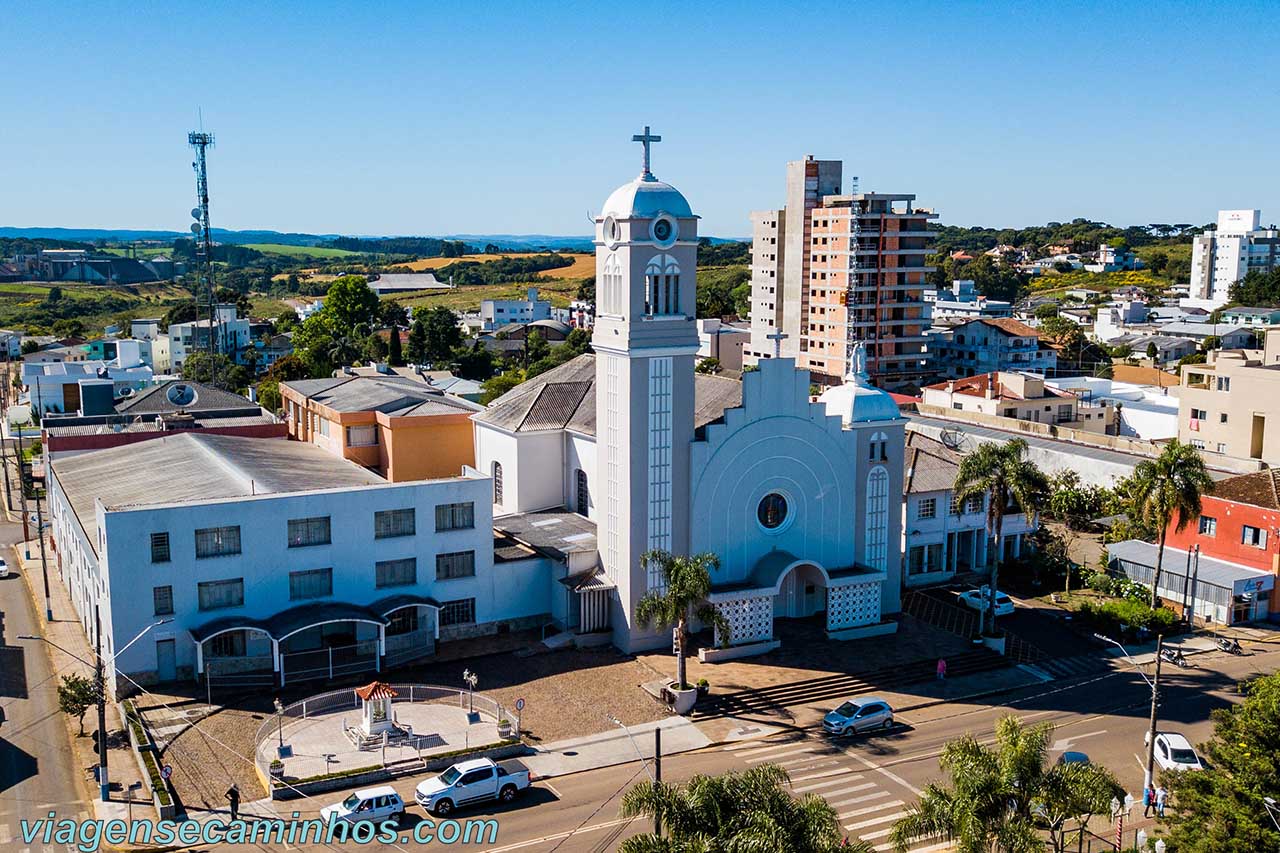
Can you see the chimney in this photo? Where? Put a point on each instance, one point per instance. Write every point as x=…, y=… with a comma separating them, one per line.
x=990, y=392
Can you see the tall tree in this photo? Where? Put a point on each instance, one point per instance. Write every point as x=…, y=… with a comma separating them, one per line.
x=686, y=585
x=443, y=334
x=1168, y=490
x=349, y=303
x=746, y=811
x=395, y=356
x=996, y=797
x=77, y=694
x=416, y=347
x=1223, y=807
x=1001, y=474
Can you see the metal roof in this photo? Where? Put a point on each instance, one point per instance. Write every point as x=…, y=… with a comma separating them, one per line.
x=928, y=465
x=207, y=398
x=195, y=467
x=1174, y=565
x=392, y=395
x=556, y=532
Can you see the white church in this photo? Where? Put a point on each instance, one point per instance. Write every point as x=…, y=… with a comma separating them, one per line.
x=627, y=450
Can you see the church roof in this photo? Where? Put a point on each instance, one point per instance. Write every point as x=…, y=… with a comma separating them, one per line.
x=646, y=197
x=564, y=398
x=928, y=465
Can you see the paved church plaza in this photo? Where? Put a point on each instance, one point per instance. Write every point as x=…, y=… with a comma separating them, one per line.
x=436, y=728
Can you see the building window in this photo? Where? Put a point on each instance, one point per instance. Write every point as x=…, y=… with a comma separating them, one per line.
x=1199, y=415
x=159, y=547
x=1222, y=418
x=395, y=573
x=460, y=612
x=927, y=508
x=217, y=541
x=878, y=450
x=362, y=436
x=497, y=483
x=458, y=564
x=877, y=515
x=772, y=511
x=460, y=516
x=403, y=621
x=582, y=497
x=314, y=583
x=162, y=598
x=1255, y=537
x=324, y=426
x=309, y=531
x=1208, y=525
x=658, y=515
x=389, y=523
x=228, y=645
x=215, y=595
x=1064, y=412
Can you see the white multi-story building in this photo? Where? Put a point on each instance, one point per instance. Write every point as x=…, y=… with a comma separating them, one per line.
x=232, y=336
x=1220, y=258
x=271, y=558
x=56, y=386
x=153, y=344
x=496, y=313
x=962, y=300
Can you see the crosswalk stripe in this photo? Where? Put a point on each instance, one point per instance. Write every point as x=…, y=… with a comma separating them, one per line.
x=742, y=744
x=816, y=785
x=892, y=804
x=759, y=759
x=868, y=836
x=932, y=848
x=835, y=771
x=874, y=820
x=853, y=802
x=758, y=750
x=864, y=786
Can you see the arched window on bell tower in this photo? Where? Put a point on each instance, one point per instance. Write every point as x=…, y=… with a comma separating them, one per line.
x=613, y=301
x=662, y=286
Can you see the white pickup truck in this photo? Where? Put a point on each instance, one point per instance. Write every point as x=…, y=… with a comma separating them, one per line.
x=474, y=781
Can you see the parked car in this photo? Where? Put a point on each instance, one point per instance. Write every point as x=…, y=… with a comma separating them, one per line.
x=474, y=781
x=859, y=715
x=1174, y=752
x=373, y=804
x=1073, y=758
x=979, y=600
x=4, y=569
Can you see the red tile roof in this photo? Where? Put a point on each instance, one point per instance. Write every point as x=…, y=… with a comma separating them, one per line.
x=976, y=386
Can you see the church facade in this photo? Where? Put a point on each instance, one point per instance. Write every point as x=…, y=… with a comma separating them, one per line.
x=629, y=450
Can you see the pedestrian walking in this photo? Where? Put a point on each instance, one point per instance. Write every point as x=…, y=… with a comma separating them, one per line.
x=942, y=669
x=1162, y=797
x=233, y=797
x=1148, y=800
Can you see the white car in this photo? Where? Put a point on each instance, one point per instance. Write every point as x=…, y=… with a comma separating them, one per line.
x=373, y=804
x=859, y=715
x=1174, y=752
x=475, y=781
x=979, y=600
x=4, y=568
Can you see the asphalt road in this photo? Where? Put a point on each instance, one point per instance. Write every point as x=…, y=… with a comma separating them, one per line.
x=36, y=769
x=871, y=779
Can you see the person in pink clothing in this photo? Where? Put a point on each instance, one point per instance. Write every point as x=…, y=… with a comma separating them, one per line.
x=942, y=668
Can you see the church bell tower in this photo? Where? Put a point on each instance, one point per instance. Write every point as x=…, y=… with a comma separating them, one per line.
x=645, y=341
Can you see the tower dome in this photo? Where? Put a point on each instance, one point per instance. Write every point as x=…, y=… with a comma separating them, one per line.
x=646, y=197
x=857, y=401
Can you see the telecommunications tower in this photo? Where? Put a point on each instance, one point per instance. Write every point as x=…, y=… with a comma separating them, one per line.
x=203, y=239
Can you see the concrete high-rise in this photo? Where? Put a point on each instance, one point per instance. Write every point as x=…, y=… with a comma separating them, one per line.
x=1220, y=258
x=828, y=260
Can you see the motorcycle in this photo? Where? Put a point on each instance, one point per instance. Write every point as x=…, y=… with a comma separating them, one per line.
x=1174, y=656
x=1227, y=644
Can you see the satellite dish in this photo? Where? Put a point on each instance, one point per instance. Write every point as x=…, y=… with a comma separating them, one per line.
x=127, y=392
x=181, y=394
x=195, y=227
x=195, y=213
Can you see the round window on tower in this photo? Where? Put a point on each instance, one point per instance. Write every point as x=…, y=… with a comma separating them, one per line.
x=612, y=233
x=664, y=230
x=772, y=511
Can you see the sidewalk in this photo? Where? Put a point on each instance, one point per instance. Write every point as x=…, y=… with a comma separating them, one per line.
x=615, y=747
x=65, y=630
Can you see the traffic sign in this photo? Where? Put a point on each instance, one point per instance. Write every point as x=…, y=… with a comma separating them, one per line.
x=520, y=704
x=166, y=772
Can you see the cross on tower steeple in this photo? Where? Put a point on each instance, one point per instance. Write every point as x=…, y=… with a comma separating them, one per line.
x=646, y=139
x=777, y=337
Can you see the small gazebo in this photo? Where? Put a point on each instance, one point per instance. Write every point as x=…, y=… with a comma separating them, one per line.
x=375, y=699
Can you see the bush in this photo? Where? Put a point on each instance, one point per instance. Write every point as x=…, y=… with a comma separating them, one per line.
x=1121, y=587
x=1135, y=616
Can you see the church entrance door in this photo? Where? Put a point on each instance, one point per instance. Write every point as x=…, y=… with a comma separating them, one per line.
x=803, y=593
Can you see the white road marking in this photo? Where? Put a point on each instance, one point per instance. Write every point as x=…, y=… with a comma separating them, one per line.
x=932, y=848
x=884, y=818
x=1062, y=744
x=836, y=771
x=864, y=786
x=892, y=804
x=760, y=750
x=871, y=765
x=760, y=759
x=869, y=836
x=816, y=785
x=547, y=785
x=875, y=795
x=595, y=827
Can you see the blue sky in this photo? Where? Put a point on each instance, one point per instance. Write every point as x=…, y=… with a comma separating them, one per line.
x=430, y=118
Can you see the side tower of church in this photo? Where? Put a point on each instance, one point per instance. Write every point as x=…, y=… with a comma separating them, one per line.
x=645, y=341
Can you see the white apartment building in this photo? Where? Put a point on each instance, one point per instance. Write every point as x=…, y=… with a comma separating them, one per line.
x=963, y=301
x=153, y=344
x=56, y=386
x=1220, y=258
x=273, y=559
x=723, y=342
x=496, y=313
x=232, y=336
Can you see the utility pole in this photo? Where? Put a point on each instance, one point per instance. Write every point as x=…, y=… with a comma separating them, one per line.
x=103, y=785
x=22, y=495
x=1149, y=774
x=44, y=561
x=657, y=778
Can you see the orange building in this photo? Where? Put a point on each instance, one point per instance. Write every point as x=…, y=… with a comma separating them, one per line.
x=399, y=427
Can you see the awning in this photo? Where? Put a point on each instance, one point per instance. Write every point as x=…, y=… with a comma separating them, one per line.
x=227, y=623
x=291, y=621
x=392, y=603
x=591, y=580
x=1137, y=559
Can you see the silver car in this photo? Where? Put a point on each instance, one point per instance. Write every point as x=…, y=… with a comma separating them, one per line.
x=859, y=715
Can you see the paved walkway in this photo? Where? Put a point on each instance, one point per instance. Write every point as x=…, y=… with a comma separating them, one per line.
x=615, y=747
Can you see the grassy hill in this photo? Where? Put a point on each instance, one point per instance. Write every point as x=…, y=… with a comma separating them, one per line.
x=558, y=293
x=584, y=266
x=300, y=251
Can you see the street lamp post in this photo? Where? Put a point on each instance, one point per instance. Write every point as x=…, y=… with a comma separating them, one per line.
x=655, y=775
x=1154, y=683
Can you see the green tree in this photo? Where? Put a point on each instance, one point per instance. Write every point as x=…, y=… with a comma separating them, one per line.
x=1211, y=342
x=217, y=370
x=269, y=395
x=29, y=346
x=1168, y=489
x=346, y=348
x=286, y=320
x=708, y=366
x=1000, y=798
x=54, y=296
x=415, y=350
x=1002, y=474
x=735, y=811
x=1152, y=350
x=535, y=347
x=496, y=386
x=686, y=585
x=349, y=303
x=443, y=334
x=474, y=362
x=395, y=353
x=288, y=369
x=1223, y=807
x=76, y=695
x=1045, y=311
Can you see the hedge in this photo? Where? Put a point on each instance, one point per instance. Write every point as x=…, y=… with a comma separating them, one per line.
x=145, y=751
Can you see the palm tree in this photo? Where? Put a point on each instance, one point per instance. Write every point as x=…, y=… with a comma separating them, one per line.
x=1000, y=472
x=1001, y=799
x=687, y=583
x=346, y=347
x=1166, y=488
x=751, y=810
